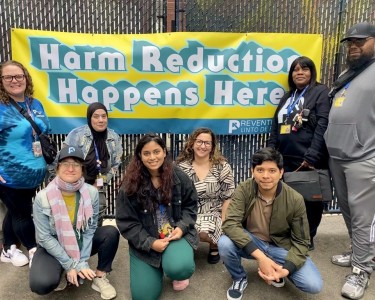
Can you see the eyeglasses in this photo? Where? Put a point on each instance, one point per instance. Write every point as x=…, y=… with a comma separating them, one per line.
x=357, y=42
x=67, y=165
x=206, y=143
x=9, y=78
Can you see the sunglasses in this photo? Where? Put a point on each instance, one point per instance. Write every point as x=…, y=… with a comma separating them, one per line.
x=357, y=42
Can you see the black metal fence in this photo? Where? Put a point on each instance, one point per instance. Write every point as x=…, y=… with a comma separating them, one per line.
x=328, y=17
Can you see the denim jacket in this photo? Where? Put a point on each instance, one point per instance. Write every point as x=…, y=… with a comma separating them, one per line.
x=140, y=227
x=82, y=138
x=46, y=235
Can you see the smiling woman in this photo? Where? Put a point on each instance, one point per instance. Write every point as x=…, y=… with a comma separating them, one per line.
x=202, y=161
x=22, y=166
x=66, y=216
x=299, y=123
x=156, y=210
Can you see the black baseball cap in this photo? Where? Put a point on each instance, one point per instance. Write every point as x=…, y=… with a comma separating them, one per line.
x=360, y=31
x=71, y=151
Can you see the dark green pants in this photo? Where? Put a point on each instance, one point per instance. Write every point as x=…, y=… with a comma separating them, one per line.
x=146, y=282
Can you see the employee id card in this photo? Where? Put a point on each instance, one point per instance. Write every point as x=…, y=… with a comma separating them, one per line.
x=285, y=129
x=339, y=102
x=100, y=180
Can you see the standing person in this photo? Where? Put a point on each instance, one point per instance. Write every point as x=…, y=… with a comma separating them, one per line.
x=202, y=161
x=66, y=216
x=266, y=221
x=22, y=167
x=156, y=210
x=102, y=149
x=351, y=146
x=298, y=127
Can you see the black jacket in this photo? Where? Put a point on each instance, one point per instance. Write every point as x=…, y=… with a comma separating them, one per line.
x=140, y=227
x=307, y=143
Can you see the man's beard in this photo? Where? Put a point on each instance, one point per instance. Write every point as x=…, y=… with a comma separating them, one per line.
x=358, y=62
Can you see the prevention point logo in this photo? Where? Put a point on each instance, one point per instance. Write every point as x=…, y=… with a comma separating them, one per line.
x=249, y=126
x=233, y=125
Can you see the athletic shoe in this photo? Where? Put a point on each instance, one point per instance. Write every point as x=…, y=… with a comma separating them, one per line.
x=63, y=283
x=279, y=284
x=180, y=285
x=311, y=245
x=355, y=285
x=15, y=256
x=235, y=292
x=102, y=285
x=342, y=260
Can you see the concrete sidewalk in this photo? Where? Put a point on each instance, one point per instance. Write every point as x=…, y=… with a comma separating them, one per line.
x=209, y=282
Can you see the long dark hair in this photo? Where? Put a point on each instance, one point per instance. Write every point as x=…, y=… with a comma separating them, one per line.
x=137, y=178
x=304, y=62
x=188, y=152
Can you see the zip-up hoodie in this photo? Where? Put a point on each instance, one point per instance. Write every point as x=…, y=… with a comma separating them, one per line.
x=289, y=227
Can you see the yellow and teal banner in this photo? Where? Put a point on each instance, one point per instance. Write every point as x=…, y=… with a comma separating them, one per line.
x=167, y=82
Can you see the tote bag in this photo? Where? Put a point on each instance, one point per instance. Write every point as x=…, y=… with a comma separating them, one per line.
x=314, y=185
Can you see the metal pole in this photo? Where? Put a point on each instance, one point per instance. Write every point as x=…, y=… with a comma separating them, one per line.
x=177, y=15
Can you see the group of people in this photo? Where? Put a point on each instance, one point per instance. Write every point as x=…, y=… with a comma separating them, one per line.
x=165, y=208
x=62, y=228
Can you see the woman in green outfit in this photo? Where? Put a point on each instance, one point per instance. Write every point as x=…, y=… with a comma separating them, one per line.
x=156, y=210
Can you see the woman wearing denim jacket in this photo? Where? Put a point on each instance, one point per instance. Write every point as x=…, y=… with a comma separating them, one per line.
x=102, y=150
x=65, y=216
x=156, y=210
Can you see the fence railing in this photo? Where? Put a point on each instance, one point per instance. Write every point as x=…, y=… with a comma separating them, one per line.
x=331, y=18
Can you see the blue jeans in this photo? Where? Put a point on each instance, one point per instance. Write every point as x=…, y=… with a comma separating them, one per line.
x=307, y=278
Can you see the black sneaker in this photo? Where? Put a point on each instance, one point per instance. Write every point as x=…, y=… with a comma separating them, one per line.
x=311, y=245
x=235, y=292
x=279, y=284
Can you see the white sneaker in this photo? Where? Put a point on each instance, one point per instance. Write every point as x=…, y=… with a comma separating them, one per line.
x=342, y=260
x=15, y=256
x=279, y=284
x=31, y=255
x=102, y=285
x=356, y=284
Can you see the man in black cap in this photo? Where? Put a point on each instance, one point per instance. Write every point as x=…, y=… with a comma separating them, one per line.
x=351, y=144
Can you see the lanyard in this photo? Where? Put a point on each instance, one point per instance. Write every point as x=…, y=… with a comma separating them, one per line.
x=344, y=90
x=31, y=116
x=294, y=101
x=98, y=162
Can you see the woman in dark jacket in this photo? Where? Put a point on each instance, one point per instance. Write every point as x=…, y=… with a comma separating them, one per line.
x=156, y=210
x=299, y=123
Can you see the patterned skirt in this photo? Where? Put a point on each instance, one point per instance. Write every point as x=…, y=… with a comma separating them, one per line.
x=209, y=220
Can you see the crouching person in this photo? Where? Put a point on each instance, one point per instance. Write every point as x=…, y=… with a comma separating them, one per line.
x=267, y=221
x=156, y=210
x=65, y=216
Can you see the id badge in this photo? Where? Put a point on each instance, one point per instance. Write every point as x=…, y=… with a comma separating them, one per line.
x=339, y=101
x=285, y=129
x=100, y=180
x=37, y=149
